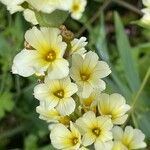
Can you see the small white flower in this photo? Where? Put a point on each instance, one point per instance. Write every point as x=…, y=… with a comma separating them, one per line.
x=113, y=106
x=78, y=46
x=130, y=138
x=46, y=56
x=95, y=130
x=65, y=139
x=48, y=6
x=14, y=5
x=57, y=94
x=87, y=73
x=77, y=8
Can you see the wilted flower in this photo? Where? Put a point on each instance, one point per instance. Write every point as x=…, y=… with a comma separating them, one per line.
x=65, y=139
x=95, y=130
x=87, y=73
x=57, y=94
x=130, y=138
x=113, y=106
x=46, y=56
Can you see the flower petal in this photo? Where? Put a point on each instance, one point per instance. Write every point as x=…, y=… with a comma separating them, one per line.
x=66, y=106
x=23, y=63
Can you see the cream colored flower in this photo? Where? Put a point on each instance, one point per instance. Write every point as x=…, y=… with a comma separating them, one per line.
x=29, y=16
x=77, y=8
x=113, y=106
x=48, y=6
x=95, y=130
x=14, y=5
x=51, y=115
x=130, y=138
x=57, y=94
x=146, y=17
x=87, y=73
x=65, y=139
x=90, y=103
x=146, y=3
x=46, y=56
x=78, y=46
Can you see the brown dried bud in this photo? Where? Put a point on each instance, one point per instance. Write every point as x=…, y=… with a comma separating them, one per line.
x=66, y=34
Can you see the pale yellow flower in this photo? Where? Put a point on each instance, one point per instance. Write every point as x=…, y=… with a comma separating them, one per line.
x=90, y=102
x=65, y=139
x=146, y=17
x=95, y=130
x=78, y=46
x=48, y=6
x=46, y=56
x=77, y=8
x=87, y=73
x=146, y=3
x=113, y=106
x=130, y=138
x=57, y=94
x=51, y=115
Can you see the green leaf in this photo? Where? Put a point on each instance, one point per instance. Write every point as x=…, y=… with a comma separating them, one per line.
x=55, y=19
x=101, y=43
x=124, y=48
x=6, y=103
x=31, y=142
x=102, y=50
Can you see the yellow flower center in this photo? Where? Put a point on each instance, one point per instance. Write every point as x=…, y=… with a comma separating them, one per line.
x=50, y=56
x=75, y=7
x=84, y=76
x=59, y=94
x=75, y=140
x=96, y=131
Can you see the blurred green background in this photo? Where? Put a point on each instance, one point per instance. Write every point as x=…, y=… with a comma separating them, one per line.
x=108, y=26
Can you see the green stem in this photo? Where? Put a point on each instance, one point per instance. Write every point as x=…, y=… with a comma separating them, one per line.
x=141, y=88
x=128, y=6
x=12, y=132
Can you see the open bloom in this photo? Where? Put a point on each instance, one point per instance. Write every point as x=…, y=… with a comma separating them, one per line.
x=46, y=56
x=130, y=138
x=87, y=73
x=113, y=106
x=78, y=46
x=57, y=94
x=48, y=6
x=77, y=8
x=65, y=139
x=95, y=130
x=51, y=115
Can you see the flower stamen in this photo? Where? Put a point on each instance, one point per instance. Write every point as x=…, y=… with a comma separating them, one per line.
x=59, y=94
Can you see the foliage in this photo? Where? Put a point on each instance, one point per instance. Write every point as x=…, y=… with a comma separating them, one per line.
x=124, y=47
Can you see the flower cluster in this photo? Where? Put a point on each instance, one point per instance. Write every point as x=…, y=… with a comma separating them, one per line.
x=75, y=7
x=80, y=115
